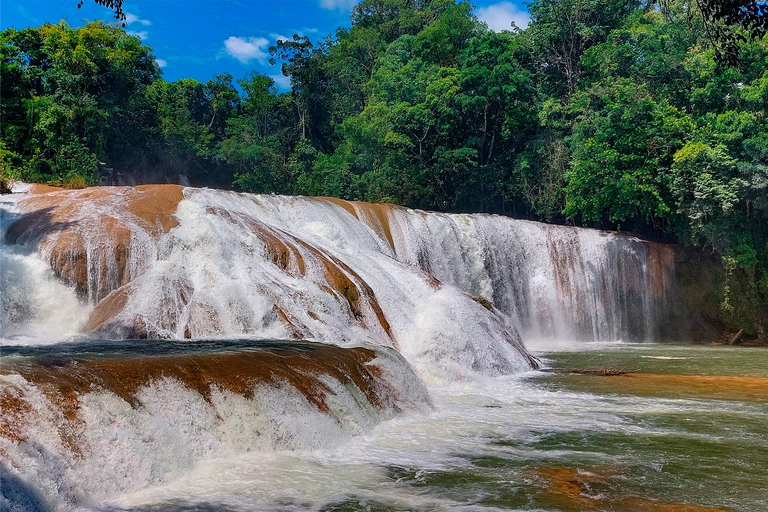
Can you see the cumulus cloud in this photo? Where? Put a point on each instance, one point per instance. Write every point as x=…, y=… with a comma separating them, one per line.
x=280, y=37
x=281, y=81
x=143, y=35
x=160, y=62
x=247, y=49
x=132, y=18
x=500, y=16
x=338, y=5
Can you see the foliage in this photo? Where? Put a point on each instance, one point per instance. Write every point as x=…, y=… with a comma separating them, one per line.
x=114, y=5
x=728, y=23
x=623, y=142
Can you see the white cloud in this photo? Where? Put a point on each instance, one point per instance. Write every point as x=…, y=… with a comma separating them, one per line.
x=501, y=16
x=340, y=5
x=248, y=49
x=132, y=18
x=143, y=35
x=281, y=81
x=160, y=62
x=280, y=37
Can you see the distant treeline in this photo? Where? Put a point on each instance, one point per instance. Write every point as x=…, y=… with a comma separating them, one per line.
x=609, y=113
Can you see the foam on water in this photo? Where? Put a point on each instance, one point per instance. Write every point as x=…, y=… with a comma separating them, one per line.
x=556, y=282
x=216, y=275
x=35, y=306
x=80, y=453
x=330, y=270
x=455, y=295
x=434, y=461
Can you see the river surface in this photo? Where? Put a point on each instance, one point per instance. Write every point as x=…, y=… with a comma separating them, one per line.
x=664, y=436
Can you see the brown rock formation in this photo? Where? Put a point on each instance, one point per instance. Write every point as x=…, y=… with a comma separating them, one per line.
x=74, y=227
x=305, y=368
x=375, y=216
x=106, y=310
x=16, y=413
x=571, y=490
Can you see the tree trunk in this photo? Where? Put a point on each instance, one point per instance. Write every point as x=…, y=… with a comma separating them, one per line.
x=736, y=337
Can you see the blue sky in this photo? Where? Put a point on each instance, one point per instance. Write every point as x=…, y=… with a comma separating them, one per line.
x=200, y=38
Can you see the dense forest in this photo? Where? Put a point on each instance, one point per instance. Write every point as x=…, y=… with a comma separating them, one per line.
x=606, y=113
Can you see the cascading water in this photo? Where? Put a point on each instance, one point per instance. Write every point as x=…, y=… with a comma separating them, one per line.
x=89, y=420
x=220, y=263
x=35, y=305
x=224, y=264
x=455, y=295
x=555, y=282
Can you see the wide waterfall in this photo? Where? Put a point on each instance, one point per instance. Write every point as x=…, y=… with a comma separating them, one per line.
x=163, y=261
x=553, y=282
x=369, y=303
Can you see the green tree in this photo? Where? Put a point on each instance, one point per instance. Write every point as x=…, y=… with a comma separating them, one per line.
x=562, y=30
x=623, y=142
x=258, y=138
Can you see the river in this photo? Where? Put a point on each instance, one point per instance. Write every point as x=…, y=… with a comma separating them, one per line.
x=539, y=440
x=170, y=348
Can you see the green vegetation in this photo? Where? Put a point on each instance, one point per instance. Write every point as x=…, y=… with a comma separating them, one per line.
x=607, y=113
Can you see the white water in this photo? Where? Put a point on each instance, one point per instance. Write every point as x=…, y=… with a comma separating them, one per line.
x=468, y=423
x=173, y=454
x=556, y=282
x=216, y=275
x=172, y=430
x=35, y=306
x=213, y=275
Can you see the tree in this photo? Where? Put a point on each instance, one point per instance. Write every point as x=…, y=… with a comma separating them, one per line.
x=729, y=23
x=303, y=63
x=622, y=142
x=184, y=115
x=562, y=30
x=65, y=92
x=115, y=5
x=258, y=138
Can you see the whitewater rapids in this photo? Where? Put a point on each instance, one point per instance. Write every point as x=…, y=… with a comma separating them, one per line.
x=457, y=291
x=407, y=298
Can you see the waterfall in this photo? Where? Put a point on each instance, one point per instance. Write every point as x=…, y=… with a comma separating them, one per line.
x=166, y=262
x=35, y=305
x=555, y=282
x=115, y=418
x=393, y=298
x=162, y=261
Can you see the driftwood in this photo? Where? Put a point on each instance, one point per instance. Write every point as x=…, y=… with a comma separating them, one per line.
x=605, y=372
x=736, y=337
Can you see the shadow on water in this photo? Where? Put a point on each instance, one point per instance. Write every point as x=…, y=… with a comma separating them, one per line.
x=30, y=228
x=18, y=495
